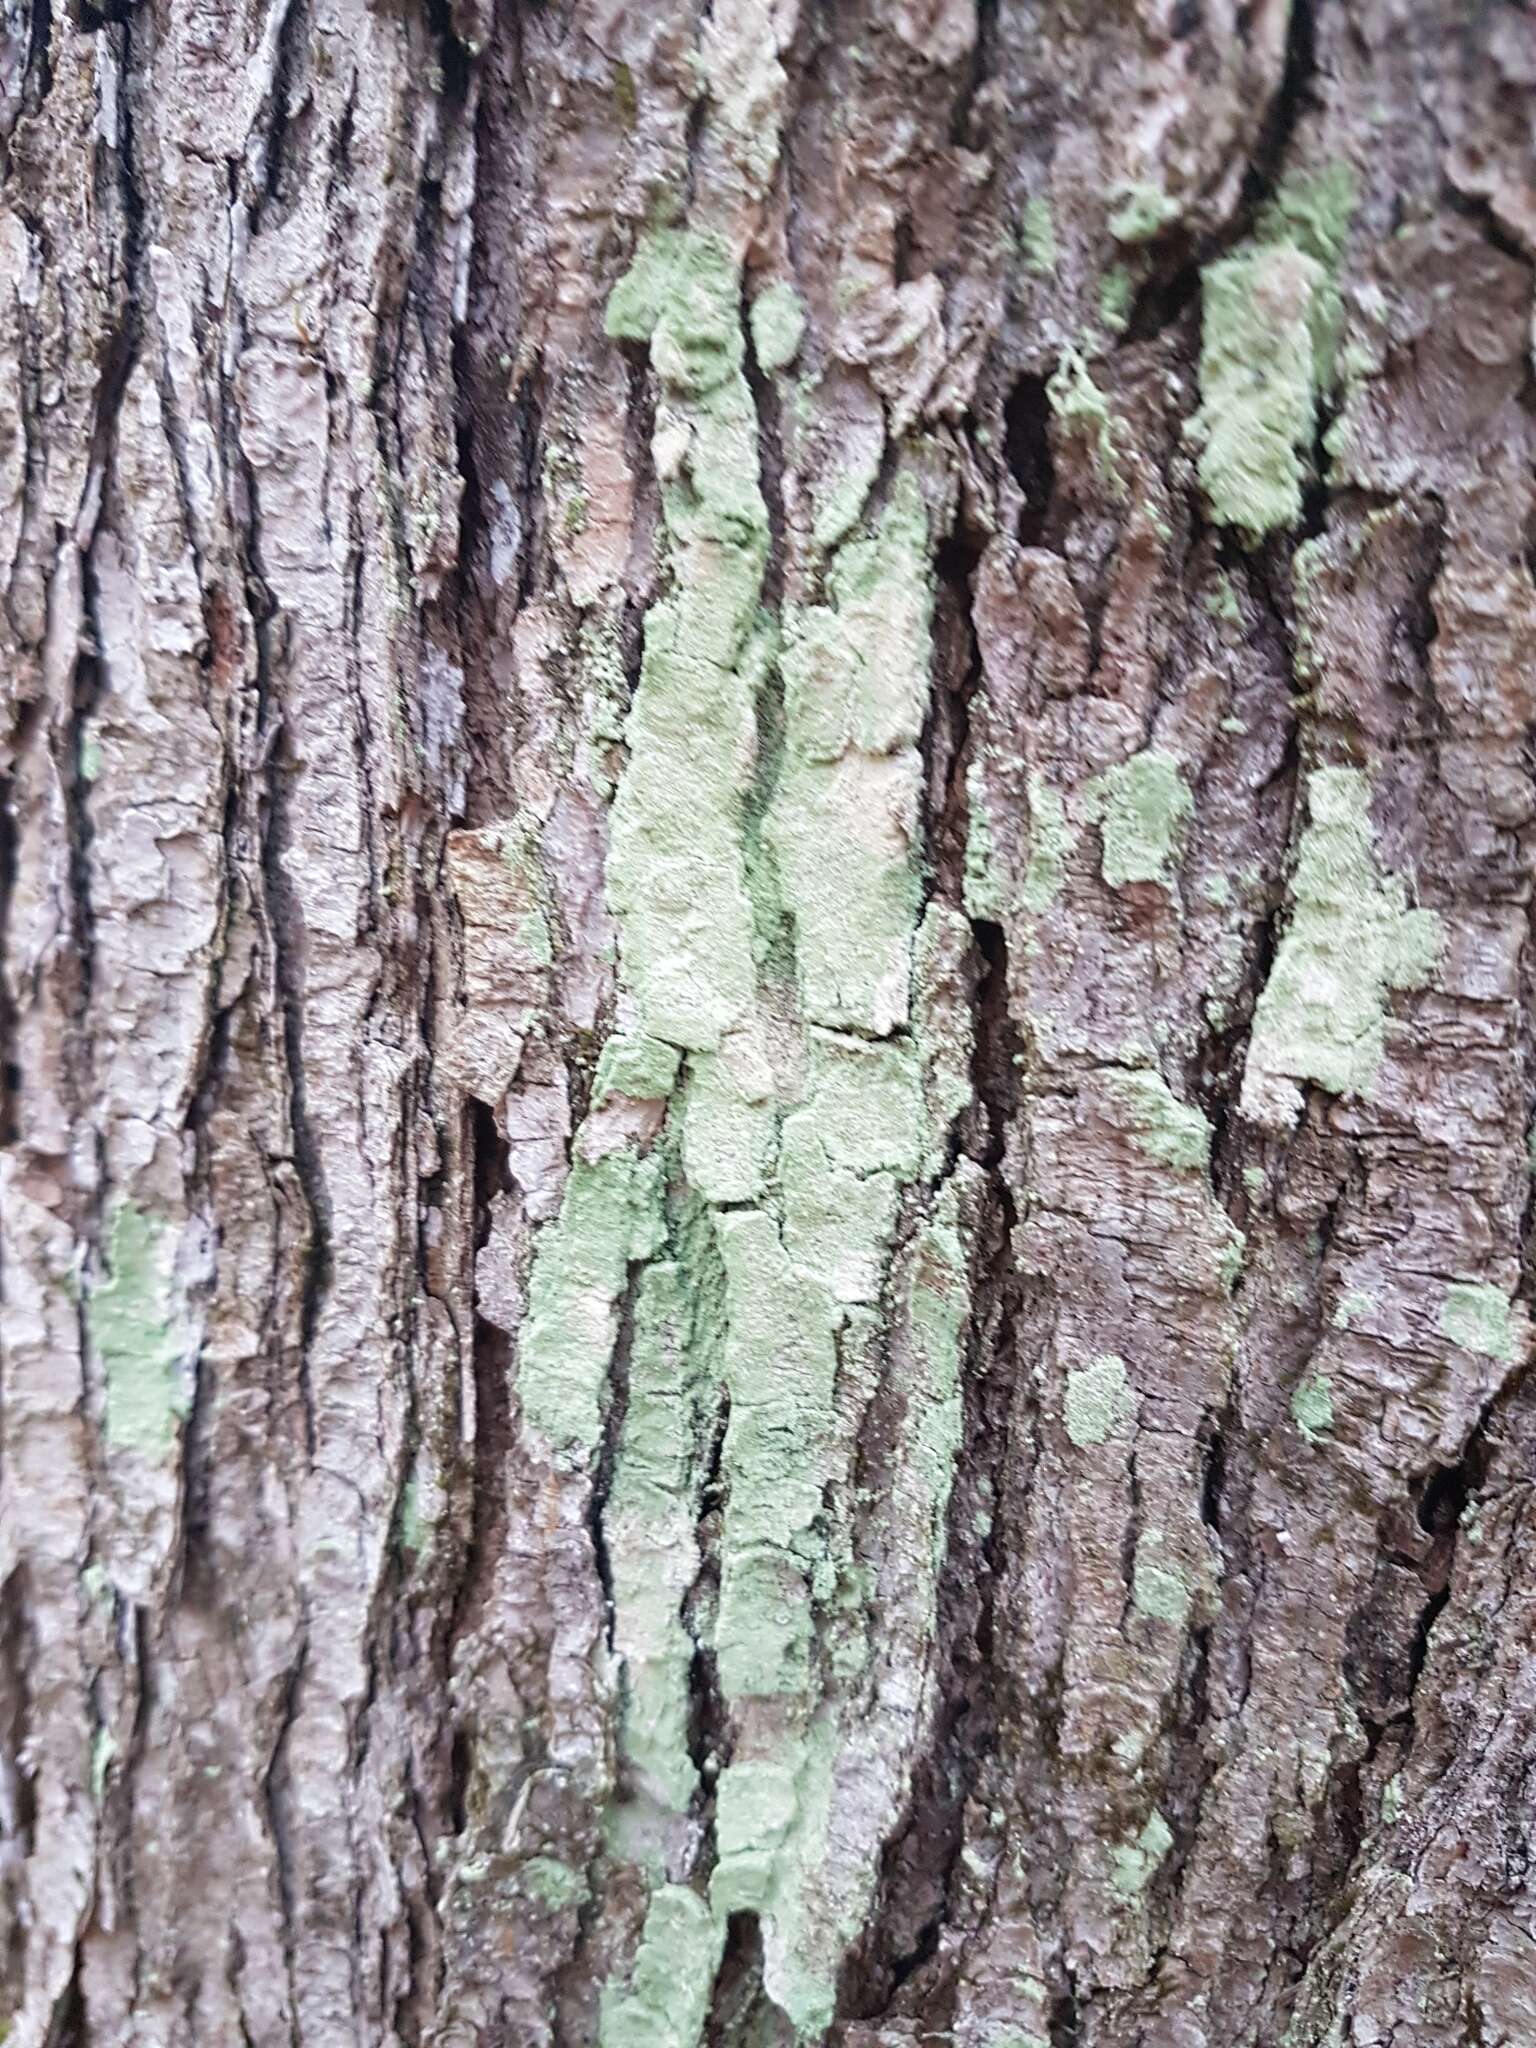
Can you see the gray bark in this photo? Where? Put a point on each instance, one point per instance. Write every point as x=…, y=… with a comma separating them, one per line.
x=769, y=1032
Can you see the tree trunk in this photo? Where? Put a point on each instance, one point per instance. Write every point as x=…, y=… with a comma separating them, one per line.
x=769, y=1023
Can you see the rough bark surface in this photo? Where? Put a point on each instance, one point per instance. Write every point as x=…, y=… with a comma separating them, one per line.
x=769, y=1023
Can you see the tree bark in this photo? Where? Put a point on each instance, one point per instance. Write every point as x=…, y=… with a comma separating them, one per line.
x=769, y=1026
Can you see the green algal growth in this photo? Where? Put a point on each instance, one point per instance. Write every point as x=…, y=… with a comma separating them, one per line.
x=778, y=322
x=1143, y=212
x=1477, y=1317
x=1037, y=237
x=1352, y=939
x=843, y=821
x=1051, y=840
x=1142, y=805
x=666, y=2000
x=1098, y=1401
x=1133, y=1865
x=1173, y=1132
x=1312, y=1407
x=674, y=863
x=1082, y=408
x=610, y=1217
x=132, y=1315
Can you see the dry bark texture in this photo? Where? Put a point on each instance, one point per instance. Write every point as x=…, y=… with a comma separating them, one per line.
x=768, y=1023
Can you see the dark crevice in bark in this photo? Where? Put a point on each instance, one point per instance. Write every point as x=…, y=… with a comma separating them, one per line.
x=1064, y=2021
x=965, y=129
x=27, y=722
x=274, y=1791
x=288, y=951
x=1027, y=445
x=608, y=1450
x=18, y=1805
x=1163, y=301
x=918, y=1870
x=492, y=1369
x=770, y=446
x=1285, y=109
x=957, y=676
x=279, y=140
x=709, y=1725
x=740, y=2010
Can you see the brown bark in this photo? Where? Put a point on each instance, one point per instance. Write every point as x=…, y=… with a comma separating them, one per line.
x=1013, y=1525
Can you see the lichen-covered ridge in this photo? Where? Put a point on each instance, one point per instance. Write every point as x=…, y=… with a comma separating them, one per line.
x=776, y=1015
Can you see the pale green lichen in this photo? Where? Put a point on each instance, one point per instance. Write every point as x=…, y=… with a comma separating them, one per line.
x=1143, y=212
x=1051, y=840
x=778, y=322
x=1221, y=600
x=1477, y=1317
x=1098, y=1401
x=410, y=1516
x=610, y=1217
x=842, y=823
x=840, y=505
x=1312, y=212
x=1142, y=805
x=133, y=1317
x=1083, y=408
x=1352, y=939
x=1269, y=338
x=1258, y=376
x=651, y=1517
x=1037, y=237
x=784, y=1003
x=1160, y=1589
x=674, y=869
x=982, y=887
x=103, y=1753
x=1115, y=292
x=1173, y=1132
x=1352, y=1305
x=666, y=2001
x=1254, y=1180
x=553, y=1883
x=1392, y=1800
x=1312, y=1407
x=1133, y=1865
x=641, y=1067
